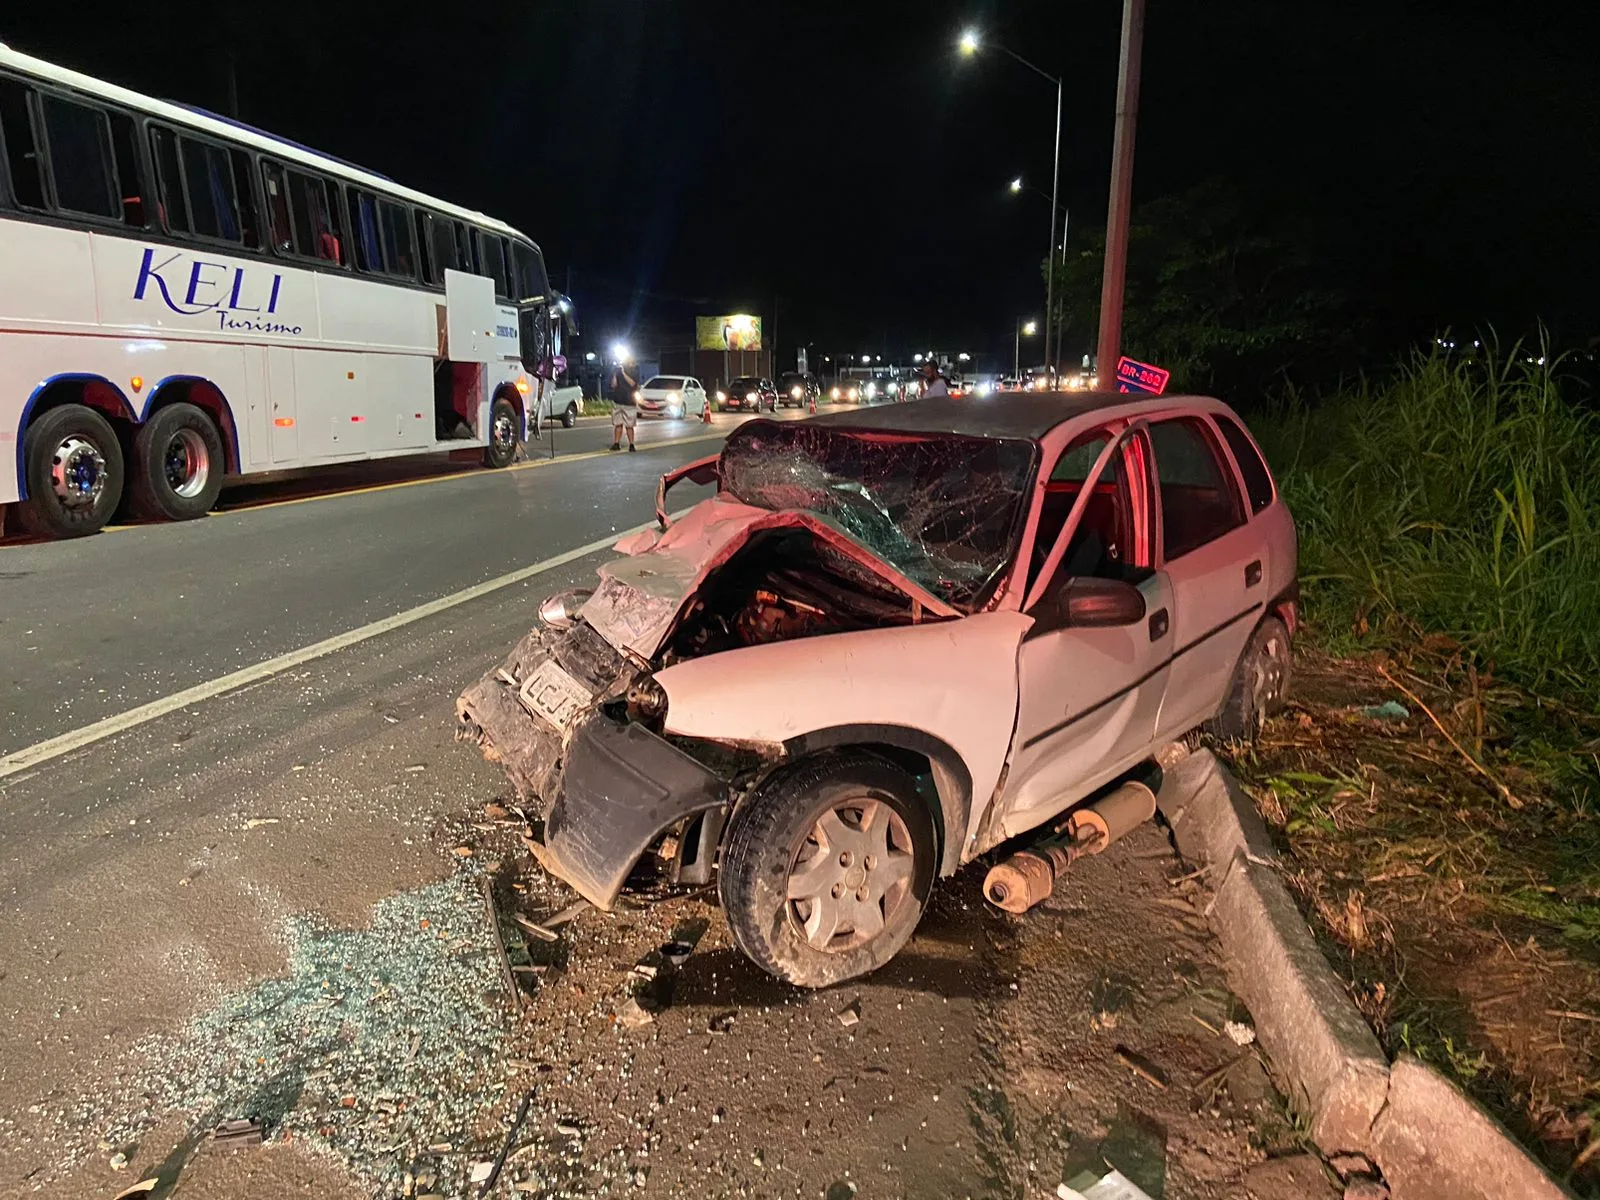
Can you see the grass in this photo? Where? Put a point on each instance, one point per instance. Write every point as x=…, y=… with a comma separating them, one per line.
x=1460, y=498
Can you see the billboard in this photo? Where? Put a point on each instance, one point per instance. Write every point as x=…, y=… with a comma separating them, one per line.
x=731, y=331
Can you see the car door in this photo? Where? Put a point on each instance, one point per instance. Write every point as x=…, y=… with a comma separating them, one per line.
x=1089, y=694
x=1211, y=555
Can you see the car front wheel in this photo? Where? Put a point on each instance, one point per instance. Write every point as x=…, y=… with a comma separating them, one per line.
x=827, y=867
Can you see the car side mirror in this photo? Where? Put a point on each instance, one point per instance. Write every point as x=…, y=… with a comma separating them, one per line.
x=1090, y=603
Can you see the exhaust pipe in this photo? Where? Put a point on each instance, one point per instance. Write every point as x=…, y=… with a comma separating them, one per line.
x=1029, y=876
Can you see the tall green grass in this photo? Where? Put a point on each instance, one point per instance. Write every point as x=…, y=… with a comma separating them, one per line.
x=1460, y=497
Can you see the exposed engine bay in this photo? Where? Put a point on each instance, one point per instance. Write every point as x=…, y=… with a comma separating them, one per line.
x=785, y=584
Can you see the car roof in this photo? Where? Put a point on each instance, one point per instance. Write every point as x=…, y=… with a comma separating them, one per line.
x=1027, y=415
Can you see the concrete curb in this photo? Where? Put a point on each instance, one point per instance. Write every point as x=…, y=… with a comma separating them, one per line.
x=1428, y=1138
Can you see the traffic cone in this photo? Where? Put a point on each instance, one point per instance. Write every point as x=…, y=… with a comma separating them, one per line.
x=705, y=414
x=813, y=404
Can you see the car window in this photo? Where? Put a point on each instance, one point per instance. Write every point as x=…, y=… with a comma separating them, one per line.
x=666, y=381
x=1198, y=501
x=1257, y=479
x=1099, y=542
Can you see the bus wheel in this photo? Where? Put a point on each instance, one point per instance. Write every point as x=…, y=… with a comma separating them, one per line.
x=73, y=465
x=570, y=417
x=178, y=464
x=502, y=447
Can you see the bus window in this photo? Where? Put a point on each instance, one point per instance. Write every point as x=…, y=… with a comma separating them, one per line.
x=125, y=152
x=79, y=141
x=399, y=250
x=369, y=245
x=169, y=178
x=245, y=201
x=315, y=218
x=494, y=262
x=208, y=185
x=443, y=241
x=22, y=152
x=275, y=183
x=531, y=283
x=466, y=260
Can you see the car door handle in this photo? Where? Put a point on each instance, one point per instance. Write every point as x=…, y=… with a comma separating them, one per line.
x=1252, y=573
x=1158, y=624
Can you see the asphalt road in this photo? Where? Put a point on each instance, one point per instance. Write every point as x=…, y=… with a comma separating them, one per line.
x=265, y=904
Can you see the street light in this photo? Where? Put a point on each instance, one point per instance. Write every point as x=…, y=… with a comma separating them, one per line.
x=1016, y=185
x=1024, y=329
x=971, y=40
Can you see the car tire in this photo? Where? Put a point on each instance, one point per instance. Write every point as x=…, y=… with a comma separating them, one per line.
x=502, y=448
x=779, y=847
x=570, y=417
x=1260, y=684
x=178, y=464
x=75, y=438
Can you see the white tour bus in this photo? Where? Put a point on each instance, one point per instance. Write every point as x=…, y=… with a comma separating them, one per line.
x=184, y=297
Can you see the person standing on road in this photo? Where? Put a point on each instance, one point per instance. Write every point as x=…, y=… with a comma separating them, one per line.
x=623, y=413
x=933, y=383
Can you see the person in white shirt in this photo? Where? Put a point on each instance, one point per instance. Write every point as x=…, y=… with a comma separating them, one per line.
x=933, y=383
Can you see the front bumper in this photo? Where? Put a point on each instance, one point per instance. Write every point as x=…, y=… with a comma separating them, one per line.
x=606, y=788
x=623, y=788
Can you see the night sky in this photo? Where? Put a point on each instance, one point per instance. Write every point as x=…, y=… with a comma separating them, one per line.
x=838, y=160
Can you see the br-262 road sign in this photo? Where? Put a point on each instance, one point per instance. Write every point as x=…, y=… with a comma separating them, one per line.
x=1140, y=377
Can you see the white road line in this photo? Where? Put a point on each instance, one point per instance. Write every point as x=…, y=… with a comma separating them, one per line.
x=77, y=739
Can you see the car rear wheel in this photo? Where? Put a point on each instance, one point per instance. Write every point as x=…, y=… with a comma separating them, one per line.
x=570, y=417
x=73, y=464
x=1260, y=685
x=827, y=867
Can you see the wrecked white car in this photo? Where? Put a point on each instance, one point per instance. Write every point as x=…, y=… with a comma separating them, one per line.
x=894, y=639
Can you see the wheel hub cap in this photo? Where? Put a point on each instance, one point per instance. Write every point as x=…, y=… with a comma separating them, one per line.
x=78, y=473
x=502, y=431
x=187, y=463
x=850, y=875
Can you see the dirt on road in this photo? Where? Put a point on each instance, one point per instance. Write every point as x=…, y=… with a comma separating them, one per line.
x=269, y=910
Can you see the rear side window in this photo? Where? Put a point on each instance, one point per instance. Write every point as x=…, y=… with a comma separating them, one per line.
x=1198, y=502
x=494, y=261
x=400, y=255
x=79, y=141
x=201, y=194
x=1257, y=479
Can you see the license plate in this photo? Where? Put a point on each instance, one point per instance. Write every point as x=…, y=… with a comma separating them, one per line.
x=553, y=695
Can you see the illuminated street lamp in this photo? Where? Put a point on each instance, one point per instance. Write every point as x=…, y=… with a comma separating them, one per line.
x=1016, y=185
x=1024, y=329
x=971, y=41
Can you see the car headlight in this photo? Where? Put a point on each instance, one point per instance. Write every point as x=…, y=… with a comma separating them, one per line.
x=894, y=388
x=855, y=393
x=797, y=392
x=673, y=398
x=749, y=395
x=638, y=396
x=834, y=394
x=872, y=390
x=721, y=396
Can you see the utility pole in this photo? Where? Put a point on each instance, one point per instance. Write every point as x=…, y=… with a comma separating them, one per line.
x=1116, y=268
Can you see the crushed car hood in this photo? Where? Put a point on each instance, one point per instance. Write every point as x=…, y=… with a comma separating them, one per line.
x=641, y=594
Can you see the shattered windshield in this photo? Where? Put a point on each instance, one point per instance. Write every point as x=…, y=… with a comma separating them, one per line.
x=942, y=509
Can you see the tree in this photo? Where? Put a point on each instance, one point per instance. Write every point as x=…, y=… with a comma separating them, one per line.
x=1226, y=291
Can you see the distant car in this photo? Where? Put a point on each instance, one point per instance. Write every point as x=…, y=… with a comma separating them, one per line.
x=889, y=643
x=797, y=389
x=749, y=393
x=564, y=404
x=845, y=391
x=674, y=396
x=1009, y=383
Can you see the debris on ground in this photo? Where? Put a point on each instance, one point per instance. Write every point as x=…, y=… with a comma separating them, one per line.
x=143, y=1188
x=1113, y=1186
x=238, y=1133
x=1142, y=1067
x=632, y=1015
x=1239, y=1033
x=1389, y=710
x=850, y=1015
x=258, y=822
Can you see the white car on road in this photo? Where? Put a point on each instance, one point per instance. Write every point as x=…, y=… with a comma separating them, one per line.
x=673, y=396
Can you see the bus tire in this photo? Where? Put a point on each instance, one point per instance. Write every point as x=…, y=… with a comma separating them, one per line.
x=570, y=417
x=502, y=448
x=73, y=464
x=178, y=463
